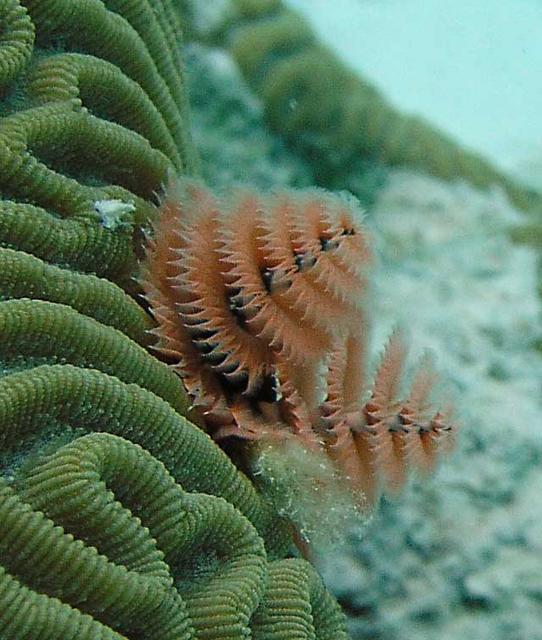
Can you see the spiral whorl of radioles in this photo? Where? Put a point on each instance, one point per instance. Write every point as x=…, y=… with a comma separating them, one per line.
x=252, y=290
x=260, y=302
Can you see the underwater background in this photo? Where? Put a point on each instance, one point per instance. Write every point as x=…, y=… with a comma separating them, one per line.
x=458, y=554
x=470, y=68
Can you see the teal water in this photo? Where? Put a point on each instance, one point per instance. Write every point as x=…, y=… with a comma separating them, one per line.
x=470, y=66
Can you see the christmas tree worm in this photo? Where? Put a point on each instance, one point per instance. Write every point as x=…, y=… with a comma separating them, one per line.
x=118, y=517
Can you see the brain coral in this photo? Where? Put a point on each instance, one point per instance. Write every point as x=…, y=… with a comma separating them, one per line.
x=118, y=517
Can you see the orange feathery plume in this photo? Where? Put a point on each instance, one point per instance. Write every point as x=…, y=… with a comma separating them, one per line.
x=260, y=302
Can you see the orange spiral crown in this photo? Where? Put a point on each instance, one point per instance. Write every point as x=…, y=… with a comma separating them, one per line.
x=259, y=300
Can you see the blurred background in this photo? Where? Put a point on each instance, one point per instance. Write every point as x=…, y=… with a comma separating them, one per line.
x=459, y=554
x=471, y=67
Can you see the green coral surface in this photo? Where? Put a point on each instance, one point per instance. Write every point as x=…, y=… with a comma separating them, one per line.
x=119, y=518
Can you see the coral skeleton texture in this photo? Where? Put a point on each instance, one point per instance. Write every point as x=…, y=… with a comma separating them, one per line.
x=260, y=302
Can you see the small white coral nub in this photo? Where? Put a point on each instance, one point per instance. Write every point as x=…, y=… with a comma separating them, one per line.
x=112, y=212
